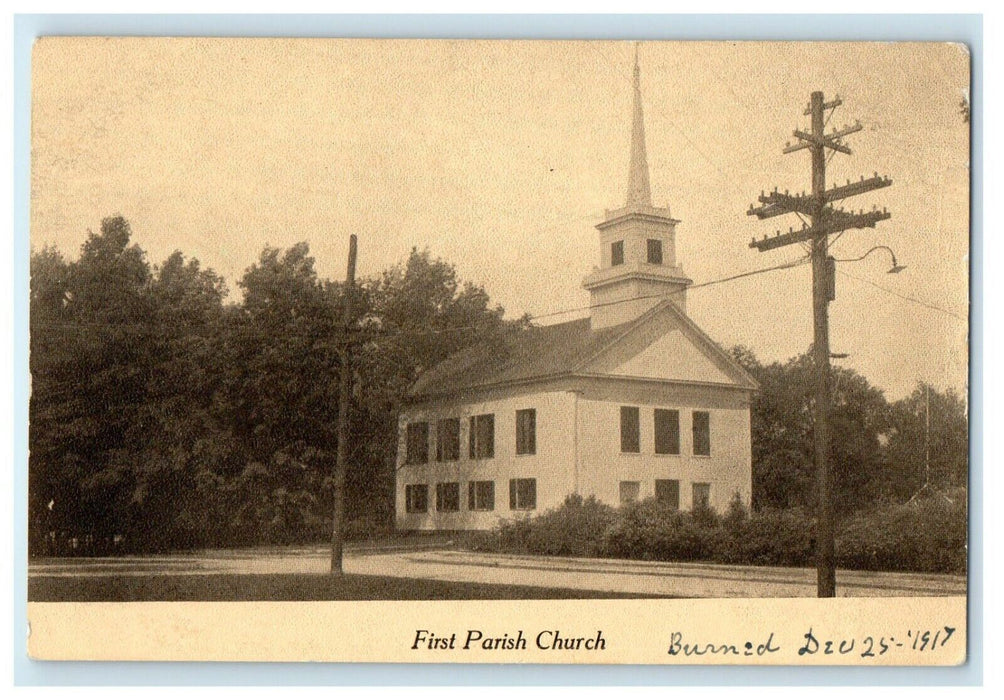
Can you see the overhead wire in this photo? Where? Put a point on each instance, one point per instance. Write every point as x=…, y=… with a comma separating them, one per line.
x=905, y=297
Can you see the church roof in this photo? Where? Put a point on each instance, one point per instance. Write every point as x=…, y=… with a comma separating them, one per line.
x=563, y=349
x=537, y=352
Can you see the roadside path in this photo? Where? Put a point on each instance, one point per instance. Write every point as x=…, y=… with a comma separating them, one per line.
x=676, y=579
x=433, y=561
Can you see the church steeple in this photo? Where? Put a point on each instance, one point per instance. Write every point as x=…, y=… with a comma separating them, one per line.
x=638, y=267
x=639, y=192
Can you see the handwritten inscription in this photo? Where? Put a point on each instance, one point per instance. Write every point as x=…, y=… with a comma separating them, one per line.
x=871, y=646
x=814, y=643
x=678, y=647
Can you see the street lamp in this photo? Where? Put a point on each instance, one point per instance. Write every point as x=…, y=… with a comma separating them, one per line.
x=892, y=271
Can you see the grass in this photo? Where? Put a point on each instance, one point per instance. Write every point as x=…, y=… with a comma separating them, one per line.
x=283, y=587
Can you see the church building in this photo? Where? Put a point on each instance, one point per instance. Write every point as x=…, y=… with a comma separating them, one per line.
x=632, y=402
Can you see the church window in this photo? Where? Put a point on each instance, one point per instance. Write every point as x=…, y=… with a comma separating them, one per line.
x=481, y=495
x=417, y=443
x=630, y=491
x=448, y=440
x=482, y=436
x=630, y=430
x=654, y=251
x=668, y=491
x=448, y=497
x=667, y=432
x=702, y=495
x=617, y=253
x=702, y=433
x=416, y=498
x=522, y=494
x=526, y=431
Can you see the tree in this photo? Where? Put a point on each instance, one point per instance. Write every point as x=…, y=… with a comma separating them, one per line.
x=783, y=464
x=278, y=398
x=164, y=418
x=948, y=440
x=430, y=312
x=49, y=286
x=174, y=436
x=89, y=366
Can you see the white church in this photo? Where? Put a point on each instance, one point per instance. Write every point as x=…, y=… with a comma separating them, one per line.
x=633, y=402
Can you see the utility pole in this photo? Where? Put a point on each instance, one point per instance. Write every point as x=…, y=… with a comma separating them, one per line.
x=927, y=434
x=927, y=450
x=824, y=219
x=344, y=395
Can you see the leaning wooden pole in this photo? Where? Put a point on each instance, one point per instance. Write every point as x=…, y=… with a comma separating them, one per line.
x=344, y=395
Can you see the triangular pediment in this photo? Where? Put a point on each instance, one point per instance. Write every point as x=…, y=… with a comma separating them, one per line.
x=673, y=356
x=668, y=346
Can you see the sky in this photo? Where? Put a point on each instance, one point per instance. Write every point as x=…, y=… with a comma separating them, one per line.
x=502, y=156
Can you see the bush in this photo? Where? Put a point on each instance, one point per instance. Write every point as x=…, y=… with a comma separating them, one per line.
x=572, y=529
x=926, y=535
x=767, y=538
x=705, y=516
x=653, y=530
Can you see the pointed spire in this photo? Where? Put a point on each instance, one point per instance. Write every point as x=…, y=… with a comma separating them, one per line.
x=639, y=193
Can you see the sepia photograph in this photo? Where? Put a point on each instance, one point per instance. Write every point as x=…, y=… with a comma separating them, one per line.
x=371, y=325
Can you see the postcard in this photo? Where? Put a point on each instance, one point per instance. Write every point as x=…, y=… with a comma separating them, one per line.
x=565, y=352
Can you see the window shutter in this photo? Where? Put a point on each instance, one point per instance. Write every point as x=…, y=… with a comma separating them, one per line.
x=702, y=433
x=512, y=494
x=439, y=441
x=526, y=431
x=489, y=435
x=520, y=432
x=531, y=438
x=630, y=439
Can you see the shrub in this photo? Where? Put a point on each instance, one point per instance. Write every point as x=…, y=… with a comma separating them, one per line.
x=572, y=529
x=926, y=535
x=705, y=516
x=651, y=529
x=767, y=538
x=736, y=515
x=929, y=535
x=512, y=536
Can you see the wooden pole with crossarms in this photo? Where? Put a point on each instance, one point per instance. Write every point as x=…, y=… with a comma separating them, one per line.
x=824, y=218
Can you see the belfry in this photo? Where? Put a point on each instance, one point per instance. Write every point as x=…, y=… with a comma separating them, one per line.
x=638, y=267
